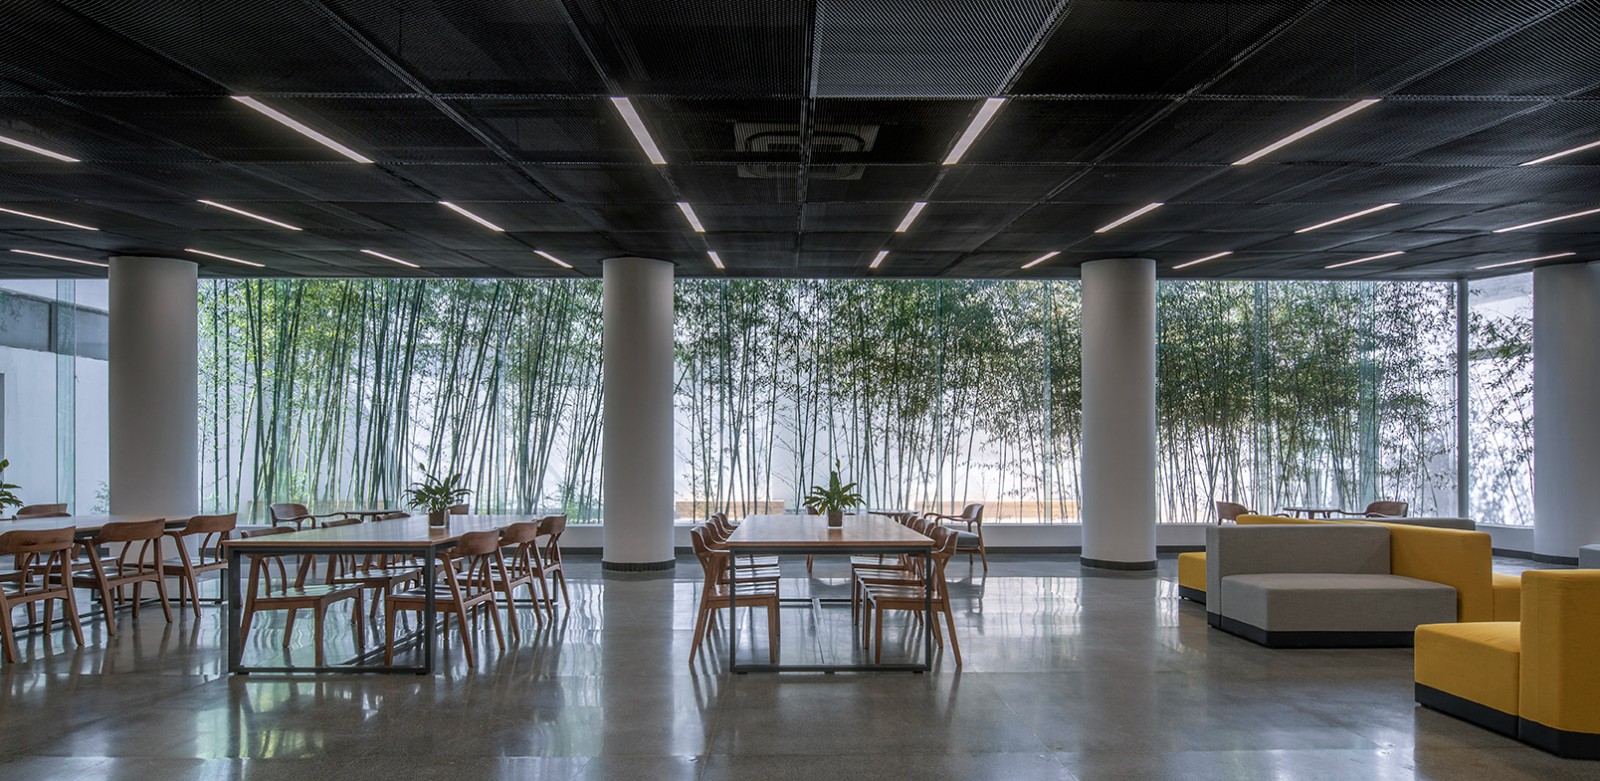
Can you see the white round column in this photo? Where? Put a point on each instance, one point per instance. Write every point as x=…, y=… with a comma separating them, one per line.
x=154, y=391
x=1566, y=411
x=1119, y=414
x=637, y=457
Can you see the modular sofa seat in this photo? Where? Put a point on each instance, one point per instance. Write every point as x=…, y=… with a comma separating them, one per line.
x=1316, y=586
x=1456, y=557
x=1535, y=680
x=1589, y=557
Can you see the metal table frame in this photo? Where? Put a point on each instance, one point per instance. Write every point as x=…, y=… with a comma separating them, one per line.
x=801, y=548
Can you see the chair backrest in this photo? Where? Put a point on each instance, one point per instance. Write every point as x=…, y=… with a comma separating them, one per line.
x=713, y=562
x=391, y=516
x=284, y=511
x=36, y=516
x=460, y=509
x=131, y=531
x=266, y=532
x=1387, y=509
x=477, y=543
x=1230, y=511
x=972, y=512
x=210, y=524
x=24, y=542
x=41, y=511
x=340, y=522
x=553, y=525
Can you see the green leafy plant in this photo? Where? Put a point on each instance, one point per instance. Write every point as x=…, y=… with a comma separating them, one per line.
x=436, y=495
x=837, y=496
x=8, y=495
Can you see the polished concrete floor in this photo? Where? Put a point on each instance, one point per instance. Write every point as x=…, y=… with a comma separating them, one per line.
x=1069, y=674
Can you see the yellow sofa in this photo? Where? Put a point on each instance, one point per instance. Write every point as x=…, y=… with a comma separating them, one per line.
x=1463, y=560
x=1536, y=679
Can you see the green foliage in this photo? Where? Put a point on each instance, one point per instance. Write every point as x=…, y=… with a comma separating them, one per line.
x=8, y=496
x=436, y=495
x=836, y=496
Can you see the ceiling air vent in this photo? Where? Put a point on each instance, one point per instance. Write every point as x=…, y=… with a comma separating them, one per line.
x=784, y=137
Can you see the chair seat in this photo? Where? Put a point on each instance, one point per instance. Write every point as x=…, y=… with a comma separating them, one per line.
x=441, y=593
x=755, y=561
x=748, y=590
x=966, y=540
x=313, y=591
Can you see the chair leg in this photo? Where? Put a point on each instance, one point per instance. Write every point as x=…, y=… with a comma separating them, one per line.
x=466, y=639
x=955, y=645
x=317, y=614
x=161, y=590
x=699, y=630
x=136, y=599
x=106, y=600
x=8, y=635
x=388, y=634
x=494, y=618
x=878, y=636
x=194, y=591
x=772, y=631
x=288, y=627
x=70, y=608
x=983, y=551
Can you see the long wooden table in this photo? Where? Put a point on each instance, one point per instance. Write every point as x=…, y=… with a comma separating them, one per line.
x=811, y=535
x=86, y=525
x=401, y=536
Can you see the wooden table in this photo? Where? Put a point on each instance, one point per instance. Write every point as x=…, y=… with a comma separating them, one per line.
x=1312, y=512
x=87, y=525
x=403, y=536
x=811, y=535
x=367, y=513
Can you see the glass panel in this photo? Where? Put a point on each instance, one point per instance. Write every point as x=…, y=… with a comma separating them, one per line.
x=1500, y=383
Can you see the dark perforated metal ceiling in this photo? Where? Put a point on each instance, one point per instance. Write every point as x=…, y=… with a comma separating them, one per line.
x=801, y=132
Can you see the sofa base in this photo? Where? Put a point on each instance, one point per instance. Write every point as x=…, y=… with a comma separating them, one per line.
x=1562, y=743
x=1467, y=710
x=1334, y=639
x=1192, y=594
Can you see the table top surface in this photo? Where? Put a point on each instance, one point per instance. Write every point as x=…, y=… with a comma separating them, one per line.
x=412, y=531
x=859, y=531
x=86, y=524
x=1314, y=509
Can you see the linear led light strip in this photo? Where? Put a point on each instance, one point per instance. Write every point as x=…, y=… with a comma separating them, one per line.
x=1337, y=220
x=640, y=134
x=986, y=113
x=553, y=259
x=1041, y=259
x=694, y=219
x=251, y=215
x=1147, y=208
x=716, y=260
x=1364, y=260
x=1572, y=151
x=1551, y=219
x=1526, y=260
x=1198, y=261
x=225, y=257
x=1305, y=131
x=911, y=216
x=391, y=258
x=47, y=219
x=62, y=257
x=878, y=261
x=302, y=129
x=469, y=215
x=37, y=150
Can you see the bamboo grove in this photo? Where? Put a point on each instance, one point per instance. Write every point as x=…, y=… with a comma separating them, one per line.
x=929, y=393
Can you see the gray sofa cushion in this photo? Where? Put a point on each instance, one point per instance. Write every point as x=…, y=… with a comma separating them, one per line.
x=1464, y=524
x=1589, y=556
x=1312, y=548
x=1320, y=602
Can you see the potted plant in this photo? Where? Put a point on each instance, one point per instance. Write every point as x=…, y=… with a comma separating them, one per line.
x=834, y=498
x=8, y=496
x=435, y=495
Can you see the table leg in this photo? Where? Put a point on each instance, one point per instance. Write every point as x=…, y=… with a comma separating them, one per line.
x=927, y=607
x=430, y=574
x=733, y=614
x=235, y=610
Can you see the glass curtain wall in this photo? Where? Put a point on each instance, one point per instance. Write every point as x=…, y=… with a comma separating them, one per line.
x=53, y=376
x=1500, y=393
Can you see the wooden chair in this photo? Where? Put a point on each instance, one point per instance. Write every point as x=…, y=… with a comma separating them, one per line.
x=460, y=509
x=714, y=595
x=524, y=567
x=209, y=532
x=879, y=598
x=265, y=593
x=1229, y=511
x=1386, y=509
x=41, y=511
x=748, y=572
x=551, y=528
x=463, y=593
x=137, y=563
x=298, y=515
x=969, y=542
x=47, y=554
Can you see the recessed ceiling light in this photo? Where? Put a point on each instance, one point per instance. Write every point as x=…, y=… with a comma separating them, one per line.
x=877, y=261
x=1526, y=260
x=688, y=214
x=640, y=134
x=1041, y=259
x=1305, y=131
x=986, y=112
x=911, y=216
x=61, y=257
x=225, y=257
x=251, y=215
x=391, y=258
x=1204, y=259
x=1337, y=220
x=469, y=215
x=37, y=150
x=1364, y=260
x=1552, y=219
x=1149, y=207
x=30, y=215
x=1572, y=151
x=553, y=259
x=298, y=127
x=716, y=260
